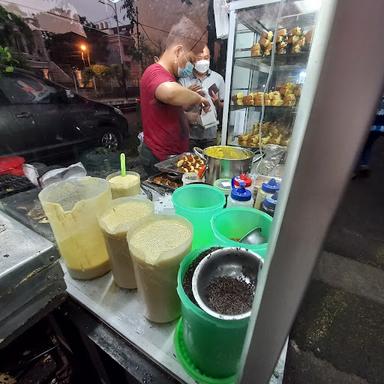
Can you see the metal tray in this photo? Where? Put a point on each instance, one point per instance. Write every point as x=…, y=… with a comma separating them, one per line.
x=152, y=181
x=169, y=165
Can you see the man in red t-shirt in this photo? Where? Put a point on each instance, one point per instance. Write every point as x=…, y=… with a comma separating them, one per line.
x=162, y=99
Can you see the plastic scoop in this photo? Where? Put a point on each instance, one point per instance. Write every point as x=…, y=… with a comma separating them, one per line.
x=122, y=164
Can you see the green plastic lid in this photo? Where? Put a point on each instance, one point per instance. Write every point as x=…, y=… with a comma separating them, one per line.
x=187, y=364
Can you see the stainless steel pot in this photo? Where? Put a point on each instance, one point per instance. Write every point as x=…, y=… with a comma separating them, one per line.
x=225, y=167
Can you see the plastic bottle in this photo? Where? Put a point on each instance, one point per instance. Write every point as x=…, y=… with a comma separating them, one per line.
x=240, y=197
x=243, y=177
x=266, y=190
x=269, y=204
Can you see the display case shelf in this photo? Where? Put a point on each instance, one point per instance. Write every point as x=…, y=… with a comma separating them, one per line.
x=282, y=108
x=283, y=62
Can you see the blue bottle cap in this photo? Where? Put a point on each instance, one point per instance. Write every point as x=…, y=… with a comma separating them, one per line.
x=271, y=187
x=241, y=194
x=271, y=201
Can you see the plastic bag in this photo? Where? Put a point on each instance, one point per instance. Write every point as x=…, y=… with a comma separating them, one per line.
x=272, y=162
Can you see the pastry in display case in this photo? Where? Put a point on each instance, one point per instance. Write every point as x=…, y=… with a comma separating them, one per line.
x=266, y=133
x=285, y=95
x=294, y=41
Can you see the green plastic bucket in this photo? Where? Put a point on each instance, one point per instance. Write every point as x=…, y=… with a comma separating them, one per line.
x=189, y=366
x=198, y=203
x=213, y=346
x=235, y=222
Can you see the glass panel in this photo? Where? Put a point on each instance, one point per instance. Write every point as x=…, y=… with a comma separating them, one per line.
x=271, y=51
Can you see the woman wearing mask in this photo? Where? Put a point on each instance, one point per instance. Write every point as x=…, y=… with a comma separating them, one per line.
x=203, y=131
x=162, y=99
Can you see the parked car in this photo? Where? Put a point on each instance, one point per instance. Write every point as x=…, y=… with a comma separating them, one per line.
x=41, y=119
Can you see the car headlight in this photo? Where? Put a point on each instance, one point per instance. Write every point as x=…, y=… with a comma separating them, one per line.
x=117, y=110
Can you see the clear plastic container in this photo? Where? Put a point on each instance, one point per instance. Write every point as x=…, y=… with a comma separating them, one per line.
x=120, y=218
x=73, y=208
x=157, y=247
x=123, y=186
x=198, y=203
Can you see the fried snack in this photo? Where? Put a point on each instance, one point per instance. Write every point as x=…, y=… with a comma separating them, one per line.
x=282, y=32
x=281, y=47
x=308, y=37
x=295, y=31
x=163, y=180
x=238, y=98
x=248, y=100
x=267, y=52
x=189, y=163
x=277, y=103
x=256, y=50
x=265, y=43
x=289, y=100
x=258, y=98
x=286, y=88
x=272, y=132
x=267, y=35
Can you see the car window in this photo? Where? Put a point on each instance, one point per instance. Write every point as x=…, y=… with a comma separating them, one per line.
x=23, y=89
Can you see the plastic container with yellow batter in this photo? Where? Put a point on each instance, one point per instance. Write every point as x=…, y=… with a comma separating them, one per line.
x=122, y=186
x=72, y=208
x=120, y=218
x=157, y=247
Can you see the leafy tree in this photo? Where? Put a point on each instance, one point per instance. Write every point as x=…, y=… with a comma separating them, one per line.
x=99, y=71
x=85, y=22
x=11, y=25
x=7, y=61
x=130, y=10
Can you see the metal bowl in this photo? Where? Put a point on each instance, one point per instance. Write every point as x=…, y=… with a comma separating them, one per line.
x=228, y=262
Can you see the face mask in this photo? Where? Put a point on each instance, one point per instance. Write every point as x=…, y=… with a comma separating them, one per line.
x=186, y=71
x=202, y=66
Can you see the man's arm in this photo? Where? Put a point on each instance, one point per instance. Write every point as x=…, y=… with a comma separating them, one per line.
x=174, y=94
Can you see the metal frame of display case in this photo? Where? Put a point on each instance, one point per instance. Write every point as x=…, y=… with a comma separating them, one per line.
x=330, y=127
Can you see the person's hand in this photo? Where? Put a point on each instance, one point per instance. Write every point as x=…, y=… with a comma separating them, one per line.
x=205, y=104
x=195, y=88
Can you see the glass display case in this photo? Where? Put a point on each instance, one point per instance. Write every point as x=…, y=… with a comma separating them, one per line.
x=268, y=50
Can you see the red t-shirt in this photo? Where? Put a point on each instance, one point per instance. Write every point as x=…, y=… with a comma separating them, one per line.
x=165, y=127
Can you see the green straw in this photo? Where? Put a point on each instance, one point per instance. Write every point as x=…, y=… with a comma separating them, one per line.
x=122, y=164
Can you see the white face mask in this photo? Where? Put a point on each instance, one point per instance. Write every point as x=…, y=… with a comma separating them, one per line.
x=202, y=66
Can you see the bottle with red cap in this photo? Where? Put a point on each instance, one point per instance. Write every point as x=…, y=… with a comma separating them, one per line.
x=244, y=178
